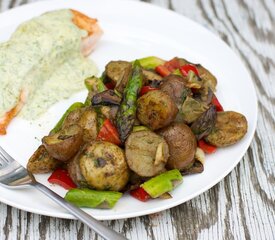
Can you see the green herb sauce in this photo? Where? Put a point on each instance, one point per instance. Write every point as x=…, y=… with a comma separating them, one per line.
x=43, y=56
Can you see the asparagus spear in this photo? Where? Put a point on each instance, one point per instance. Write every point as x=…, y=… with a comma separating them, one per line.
x=127, y=111
x=151, y=62
x=162, y=183
x=91, y=198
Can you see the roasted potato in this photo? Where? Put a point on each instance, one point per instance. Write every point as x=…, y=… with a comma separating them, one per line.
x=156, y=109
x=75, y=172
x=118, y=72
x=103, y=166
x=73, y=118
x=88, y=122
x=64, y=144
x=146, y=153
x=182, y=145
x=230, y=127
x=174, y=86
x=150, y=76
x=42, y=162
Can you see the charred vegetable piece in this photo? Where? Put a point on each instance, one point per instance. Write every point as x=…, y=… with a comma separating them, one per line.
x=61, y=177
x=75, y=172
x=106, y=98
x=197, y=167
x=192, y=109
x=104, y=167
x=149, y=76
x=146, y=153
x=182, y=145
x=156, y=109
x=230, y=127
x=94, y=85
x=88, y=122
x=204, y=124
x=208, y=79
x=64, y=144
x=140, y=194
x=109, y=133
x=151, y=62
x=127, y=112
x=174, y=86
x=72, y=108
x=119, y=73
x=92, y=199
x=162, y=183
x=206, y=147
x=42, y=162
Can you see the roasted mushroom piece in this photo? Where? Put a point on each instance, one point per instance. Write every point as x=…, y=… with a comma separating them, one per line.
x=64, y=144
x=106, y=98
x=156, y=109
x=230, y=127
x=182, y=145
x=103, y=166
x=146, y=153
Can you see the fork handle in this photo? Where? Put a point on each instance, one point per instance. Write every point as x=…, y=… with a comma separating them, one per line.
x=94, y=224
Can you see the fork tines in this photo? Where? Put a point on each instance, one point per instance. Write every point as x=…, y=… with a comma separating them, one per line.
x=4, y=156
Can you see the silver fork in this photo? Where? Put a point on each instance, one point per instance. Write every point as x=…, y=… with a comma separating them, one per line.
x=13, y=175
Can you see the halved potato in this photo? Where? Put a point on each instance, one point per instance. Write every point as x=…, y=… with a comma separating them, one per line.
x=64, y=144
x=182, y=145
x=230, y=127
x=103, y=166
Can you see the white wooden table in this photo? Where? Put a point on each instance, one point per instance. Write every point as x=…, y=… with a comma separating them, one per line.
x=242, y=206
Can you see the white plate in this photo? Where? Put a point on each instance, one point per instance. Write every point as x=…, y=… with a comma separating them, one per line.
x=134, y=30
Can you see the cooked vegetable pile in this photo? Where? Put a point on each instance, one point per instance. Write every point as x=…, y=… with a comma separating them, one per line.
x=143, y=125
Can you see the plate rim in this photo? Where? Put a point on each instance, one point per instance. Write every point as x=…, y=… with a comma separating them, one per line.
x=164, y=206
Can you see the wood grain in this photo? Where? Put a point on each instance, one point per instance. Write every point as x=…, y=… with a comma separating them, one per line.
x=239, y=207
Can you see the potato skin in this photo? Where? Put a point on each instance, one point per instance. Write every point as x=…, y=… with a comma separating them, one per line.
x=88, y=123
x=156, y=109
x=182, y=145
x=42, y=162
x=174, y=86
x=140, y=150
x=103, y=166
x=230, y=127
x=64, y=144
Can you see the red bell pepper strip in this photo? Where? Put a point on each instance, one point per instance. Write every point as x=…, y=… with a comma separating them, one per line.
x=207, y=148
x=140, y=194
x=108, y=133
x=110, y=85
x=146, y=89
x=188, y=67
x=61, y=177
x=173, y=64
x=216, y=102
x=162, y=70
